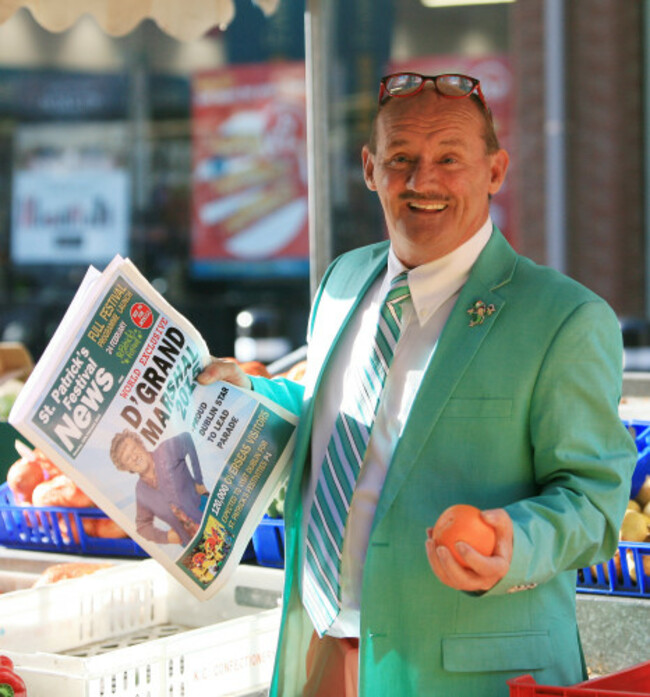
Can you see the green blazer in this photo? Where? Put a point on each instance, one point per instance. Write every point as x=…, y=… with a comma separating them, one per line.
x=521, y=412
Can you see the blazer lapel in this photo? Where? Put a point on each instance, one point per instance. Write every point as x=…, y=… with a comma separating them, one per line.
x=456, y=348
x=339, y=298
x=337, y=304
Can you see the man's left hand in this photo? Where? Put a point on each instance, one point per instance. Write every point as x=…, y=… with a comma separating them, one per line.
x=480, y=573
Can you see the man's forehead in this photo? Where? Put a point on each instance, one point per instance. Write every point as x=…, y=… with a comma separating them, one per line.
x=429, y=114
x=397, y=139
x=444, y=133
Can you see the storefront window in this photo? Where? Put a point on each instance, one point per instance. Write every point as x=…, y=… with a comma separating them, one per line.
x=189, y=157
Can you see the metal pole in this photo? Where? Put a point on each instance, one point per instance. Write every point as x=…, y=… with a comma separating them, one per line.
x=554, y=69
x=317, y=46
x=646, y=159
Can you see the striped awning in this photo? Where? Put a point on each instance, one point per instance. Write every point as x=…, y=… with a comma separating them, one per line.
x=182, y=19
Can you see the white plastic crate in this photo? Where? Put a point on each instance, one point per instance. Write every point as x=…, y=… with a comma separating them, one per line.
x=16, y=580
x=133, y=631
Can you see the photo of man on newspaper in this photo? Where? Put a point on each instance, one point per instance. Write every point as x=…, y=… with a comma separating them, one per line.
x=167, y=489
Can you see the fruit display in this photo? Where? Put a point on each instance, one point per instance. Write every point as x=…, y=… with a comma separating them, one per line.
x=23, y=477
x=296, y=372
x=276, y=507
x=37, y=483
x=65, y=570
x=635, y=529
x=42, y=508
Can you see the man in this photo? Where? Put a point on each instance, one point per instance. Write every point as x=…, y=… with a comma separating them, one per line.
x=502, y=393
x=169, y=488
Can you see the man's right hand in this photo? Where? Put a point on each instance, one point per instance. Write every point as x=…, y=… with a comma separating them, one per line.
x=225, y=370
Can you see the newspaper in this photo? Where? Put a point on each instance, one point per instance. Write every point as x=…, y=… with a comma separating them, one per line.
x=187, y=470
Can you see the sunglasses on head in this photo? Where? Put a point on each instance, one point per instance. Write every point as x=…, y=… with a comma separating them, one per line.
x=449, y=85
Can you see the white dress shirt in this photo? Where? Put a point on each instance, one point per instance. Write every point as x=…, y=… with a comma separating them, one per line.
x=434, y=289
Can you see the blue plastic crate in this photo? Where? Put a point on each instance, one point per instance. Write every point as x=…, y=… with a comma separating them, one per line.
x=641, y=432
x=628, y=573
x=268, y=542
x=57, y=529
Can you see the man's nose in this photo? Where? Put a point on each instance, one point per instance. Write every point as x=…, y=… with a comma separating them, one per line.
x=423, y=176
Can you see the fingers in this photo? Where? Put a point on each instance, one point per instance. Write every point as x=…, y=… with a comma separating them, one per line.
x=499, y=519
x=225, y=370
x=449, y=571
x=478, y=572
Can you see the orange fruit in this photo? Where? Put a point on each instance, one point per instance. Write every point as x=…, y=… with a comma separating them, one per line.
x=462, y=522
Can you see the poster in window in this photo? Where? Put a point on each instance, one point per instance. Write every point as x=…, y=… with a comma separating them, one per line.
x=70, y=194
x=249, y=171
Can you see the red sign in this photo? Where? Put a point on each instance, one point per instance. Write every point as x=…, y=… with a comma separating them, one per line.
x=142, y=315
x=249, y=165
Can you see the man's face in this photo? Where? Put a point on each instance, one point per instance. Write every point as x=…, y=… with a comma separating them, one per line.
x=133, y=456
x=432, y=173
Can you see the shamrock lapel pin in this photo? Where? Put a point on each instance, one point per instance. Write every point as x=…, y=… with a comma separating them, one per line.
x=478, y=312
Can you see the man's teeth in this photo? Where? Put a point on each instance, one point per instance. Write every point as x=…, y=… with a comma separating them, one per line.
x=429, y=206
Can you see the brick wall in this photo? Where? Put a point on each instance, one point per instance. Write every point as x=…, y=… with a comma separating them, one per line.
x=604, y=137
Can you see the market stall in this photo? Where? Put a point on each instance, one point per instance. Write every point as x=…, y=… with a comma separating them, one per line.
x=83, y=607
x=182, y=20
x=130, y=626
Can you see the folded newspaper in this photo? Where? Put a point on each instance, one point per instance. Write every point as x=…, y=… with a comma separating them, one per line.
x=187, y=470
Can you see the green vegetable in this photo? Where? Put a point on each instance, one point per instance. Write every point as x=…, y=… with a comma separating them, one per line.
x=276, y=509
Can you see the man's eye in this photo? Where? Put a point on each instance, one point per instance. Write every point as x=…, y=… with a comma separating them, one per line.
x=399, y=159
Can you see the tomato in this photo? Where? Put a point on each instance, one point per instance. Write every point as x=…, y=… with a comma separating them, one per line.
x=462, y=522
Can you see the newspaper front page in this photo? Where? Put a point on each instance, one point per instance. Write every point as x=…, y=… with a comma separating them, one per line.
x=186, y=470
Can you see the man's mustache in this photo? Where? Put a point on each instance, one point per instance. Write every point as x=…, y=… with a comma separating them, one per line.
x=430, y=198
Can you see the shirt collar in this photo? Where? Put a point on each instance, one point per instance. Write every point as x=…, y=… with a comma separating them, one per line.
x=434, y=283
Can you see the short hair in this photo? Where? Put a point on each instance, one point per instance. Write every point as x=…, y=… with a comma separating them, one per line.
x=489, y=132
x=118, y=441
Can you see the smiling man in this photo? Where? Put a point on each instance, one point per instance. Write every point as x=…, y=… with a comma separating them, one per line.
x=444, y=368
x=434, y=169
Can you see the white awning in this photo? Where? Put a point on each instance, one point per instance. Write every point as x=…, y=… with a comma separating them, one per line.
x=182, y=19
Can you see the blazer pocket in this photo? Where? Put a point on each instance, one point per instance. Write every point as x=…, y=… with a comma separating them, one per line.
x=477, y=409
x=512, y=651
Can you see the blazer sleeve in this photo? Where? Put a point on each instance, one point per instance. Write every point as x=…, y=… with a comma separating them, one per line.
x=583, y=456
x=287, y=393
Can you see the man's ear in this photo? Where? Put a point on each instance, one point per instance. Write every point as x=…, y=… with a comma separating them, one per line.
x=498, y=169
x=368, y=161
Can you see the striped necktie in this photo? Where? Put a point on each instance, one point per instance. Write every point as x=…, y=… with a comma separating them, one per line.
x=342, y=463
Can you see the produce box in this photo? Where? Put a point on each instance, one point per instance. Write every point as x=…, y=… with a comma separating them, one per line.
x=16, y=580
x=268, y=542
x=133, y=631
x=631, y=682
x=628, y=573
x=47, y=529
x=641, y=432
x=56, y=529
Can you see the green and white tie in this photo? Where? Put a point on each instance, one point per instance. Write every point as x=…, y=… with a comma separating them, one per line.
x=342, y=463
